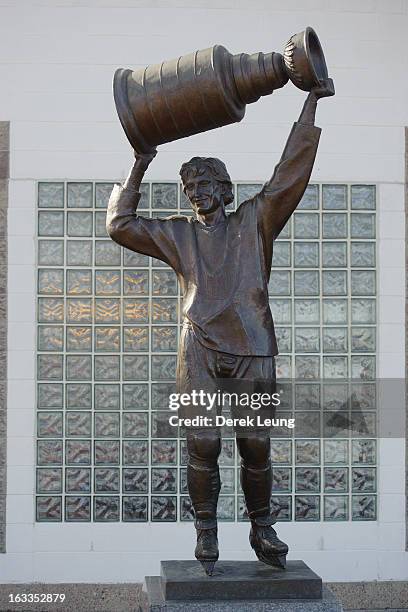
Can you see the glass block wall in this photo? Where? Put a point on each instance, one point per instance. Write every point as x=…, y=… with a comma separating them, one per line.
x=108, y=324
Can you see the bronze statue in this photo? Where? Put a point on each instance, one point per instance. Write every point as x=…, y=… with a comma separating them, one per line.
x=223, y=263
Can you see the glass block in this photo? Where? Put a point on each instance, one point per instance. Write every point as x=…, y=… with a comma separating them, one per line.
x=363, y=339
x=79, y=282
x=164, y=508
x=363, y=282
x=186, y=509
x=107, y=424
x=77, y=509
x=107, y=253
x=281, y=452
x=307, y=424
x=307, y=452
x=107, y=397
x=335, y=367
x=161, y=393
x=50, y=223
x=79, y=339
x=335, y=480
x=363, y=424
x=107, y=452
x=335, y=396
x=135, y=480
x=307, y=396
x=334, y=197
x=363, y=310
x=336, y=508
x=281, y=254
x=247, y=191
x=135, y=452
x=227, y=476
x=307, y=367
x=183, y=452
x=307, y=508
x=106, y=508
x=306, y=225
x=334, y=254
x=107, y=480
x=78, y=480
x=283, y=366
x=102, y=194
x=164, y=282
x=282, y=311
x=363, y=197
x=49, y=424
x=135, y=367
x=79, y=195
x=364, y=451
x=306, y=254
x=364, y=507
x=279, y=283
x=164, y=452
x=50, y=282
x=307, y=339
x=226, y=508
x=284, y=339
x=50, y=395
x=79, y=253
x=363, y=396
x=307, y=311
x=307, y=479
x=362, y=225
x=161, y=427
x=79, y=367
x=78, y=425
x=107, y=282
x=135, y=425
x=78, y=452
x=306, y=283
x=49, y=367
x=164, y=195
x=49, y=480
x=135, y=310
x=79, y=396
x=336, y=451
x=135, y=282
x=363, y=367
x=281, y=480
x=164, y=480
x=334, y=282
x=100, y=225
x=107, y=339
x=50, y=310
x=107, y=310
x=164, y=310
x=50, y=338
x=135, y=508
x=135, y=397
x=364, y=479
x=107, y=367
x=48, y=509
x=130, y=258
x=51, y=195
x=51, y=252
x=335, y=340
x=135, y=339
x=334, y=225
x=281, y=507
x=79, y=224
x=163, y=367
x=49, y=452
x=362, y=254
x=286, y=231
x=164, y=339
x=334, y=312
x=310, y=199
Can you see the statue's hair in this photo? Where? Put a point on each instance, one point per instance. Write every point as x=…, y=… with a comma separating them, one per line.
x=198, y=165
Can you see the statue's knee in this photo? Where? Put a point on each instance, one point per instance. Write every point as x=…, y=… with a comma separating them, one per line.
x=204, y=447
x=255, y=451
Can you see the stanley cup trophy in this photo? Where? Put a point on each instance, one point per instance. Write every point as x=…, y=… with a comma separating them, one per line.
x=222, y=262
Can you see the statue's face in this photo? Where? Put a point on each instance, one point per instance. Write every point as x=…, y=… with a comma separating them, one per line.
x=205, y=193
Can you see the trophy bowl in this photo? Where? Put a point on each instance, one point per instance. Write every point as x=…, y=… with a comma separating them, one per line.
x=304, y=60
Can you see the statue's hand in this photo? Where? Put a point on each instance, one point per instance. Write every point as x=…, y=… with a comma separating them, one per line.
x=144, y=159
x=324, y=90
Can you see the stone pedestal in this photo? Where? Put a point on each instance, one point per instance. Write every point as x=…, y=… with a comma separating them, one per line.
x=246, y=586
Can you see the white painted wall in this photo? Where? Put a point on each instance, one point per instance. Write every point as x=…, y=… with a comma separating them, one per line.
x=57, y=59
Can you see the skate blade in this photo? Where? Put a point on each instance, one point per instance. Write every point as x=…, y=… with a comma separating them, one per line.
x=277, y=561
x=208, y=567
